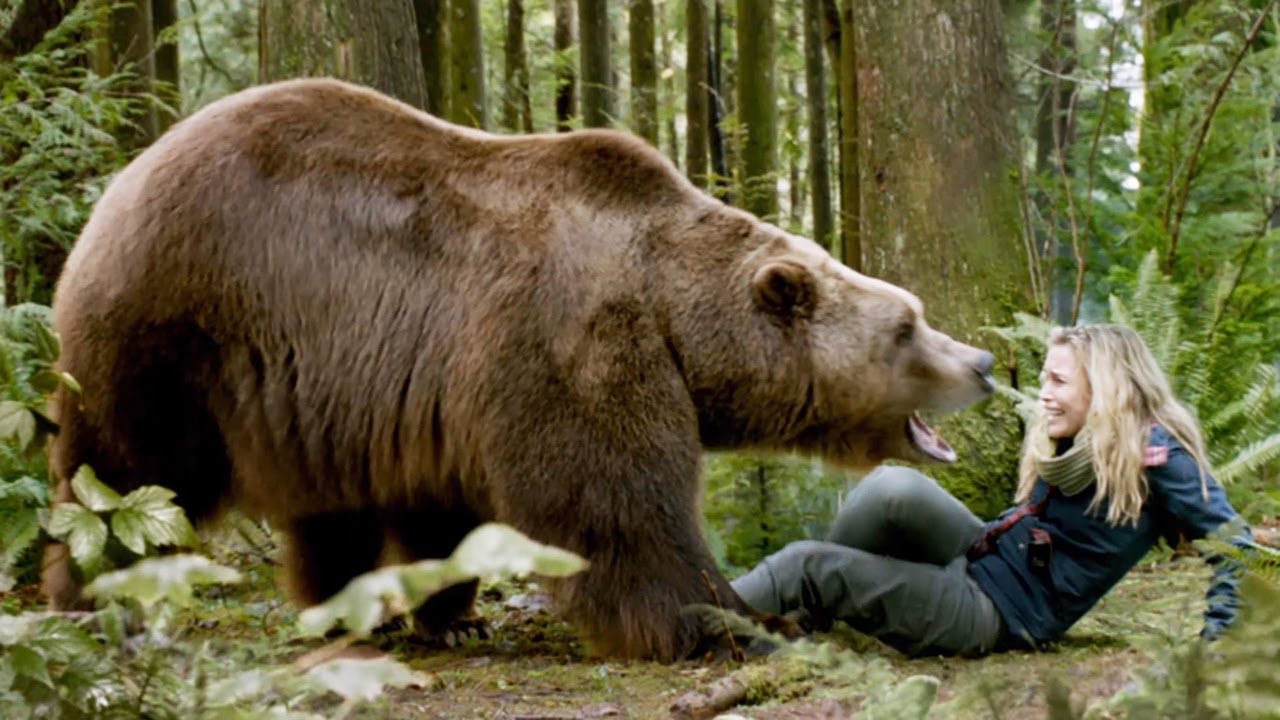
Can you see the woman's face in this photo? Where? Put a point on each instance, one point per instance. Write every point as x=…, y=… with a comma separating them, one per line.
x=1064, y=392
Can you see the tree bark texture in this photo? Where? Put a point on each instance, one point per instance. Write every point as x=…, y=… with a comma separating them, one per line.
x=31, y=21
x=644, y=71
x=669, y=90
x=939, y=156
x=1055, y=134
x=597, y=80
x=722, y=175
x=566, y=19
x=697, y=19
x=467, y=103
x=850, y=163
x=517, y=112
x=164, y=13
x=757, y=106
x=375, y=45
x=128, y=47
x=433, y=44
x=815, y=80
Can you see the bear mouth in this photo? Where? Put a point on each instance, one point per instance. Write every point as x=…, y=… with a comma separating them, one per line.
x=928, y=441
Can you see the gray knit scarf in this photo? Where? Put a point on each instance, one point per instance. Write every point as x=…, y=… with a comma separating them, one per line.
x=1072, y=471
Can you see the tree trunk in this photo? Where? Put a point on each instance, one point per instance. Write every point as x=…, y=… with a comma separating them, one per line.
x=467, y=103
x=32, y=19
x=850, y=165
x=941, y=197
x=566, y=98
x=369, y=44
x=669, y=90
x=128, y=47
x=722, y=175
x=164, y=13
x=696, y=83
x=517, y=113
x=644, y=71
x=941, y=156
x=815, y=81
x=1054, y=138
x=597, y=82
x=431, y=21
x=757, y=106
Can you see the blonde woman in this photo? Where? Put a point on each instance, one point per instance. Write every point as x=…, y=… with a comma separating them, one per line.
x=1112, y=462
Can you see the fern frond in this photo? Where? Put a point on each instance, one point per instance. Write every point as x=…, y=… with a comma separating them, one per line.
x=1250, y=459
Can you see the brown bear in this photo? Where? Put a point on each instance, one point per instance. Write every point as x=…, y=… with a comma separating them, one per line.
x=376, y=329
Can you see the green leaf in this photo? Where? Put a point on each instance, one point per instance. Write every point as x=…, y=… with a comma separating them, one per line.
x=29, y=663
x=364, y=679
x=168, y=578
x=82, y=530
x=92, y=492
x=48, y=347
x=147, y=515
x=17, y=423
x=60, y=640
x=489, y=550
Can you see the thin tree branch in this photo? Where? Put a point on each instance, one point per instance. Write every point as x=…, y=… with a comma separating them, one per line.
x=1091, y=166
x=1184, y=191
x=195, y=22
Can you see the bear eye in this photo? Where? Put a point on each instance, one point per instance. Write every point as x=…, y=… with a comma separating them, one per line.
x=906, y=333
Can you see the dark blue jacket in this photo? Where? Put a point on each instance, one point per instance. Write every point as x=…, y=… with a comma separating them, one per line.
x=1089, y=555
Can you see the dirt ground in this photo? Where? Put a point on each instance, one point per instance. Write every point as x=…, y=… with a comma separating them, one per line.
x=534, y=667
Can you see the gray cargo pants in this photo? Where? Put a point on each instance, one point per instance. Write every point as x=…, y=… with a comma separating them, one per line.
x=893, y=566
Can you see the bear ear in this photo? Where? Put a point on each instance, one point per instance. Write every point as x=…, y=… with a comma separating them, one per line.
x=784, y=288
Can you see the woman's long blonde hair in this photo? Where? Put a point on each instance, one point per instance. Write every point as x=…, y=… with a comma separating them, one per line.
x=1129, y=393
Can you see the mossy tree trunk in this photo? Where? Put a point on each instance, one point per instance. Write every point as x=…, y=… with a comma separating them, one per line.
x=757, y=106
x=644, y=71
x=815, y=81
x=939, y=160
x=371, y=44
x=717, y=145
x=517, y=113
x=164, y=13
x=597, y=80
x=433, y=43
x=566, y=20
x=467, y=103
x=697, y=29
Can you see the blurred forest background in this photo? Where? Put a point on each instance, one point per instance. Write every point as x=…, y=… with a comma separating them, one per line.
x=1016, y=163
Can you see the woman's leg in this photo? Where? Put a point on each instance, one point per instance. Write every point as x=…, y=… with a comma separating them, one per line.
x=901, y=513
x=916, y=607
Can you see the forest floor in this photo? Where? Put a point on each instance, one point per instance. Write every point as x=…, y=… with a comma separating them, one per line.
x=535, y=667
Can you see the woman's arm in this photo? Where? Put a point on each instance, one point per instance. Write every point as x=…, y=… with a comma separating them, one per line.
x=1176, y=482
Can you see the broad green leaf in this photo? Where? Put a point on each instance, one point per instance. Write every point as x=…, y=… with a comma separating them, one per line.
x=70, y=382
x=82, y=530
x=239, y=687
x=14, y=628
x=148, y=515
x=17, y=423
x=92, y=492
x=364, y=679
x=489, y=550
x=60, y=640
x=29, y=663
x=48, y=347
x=167, y=578
x=494, y=549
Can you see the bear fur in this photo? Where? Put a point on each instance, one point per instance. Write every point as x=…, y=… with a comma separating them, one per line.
x=378, y=330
